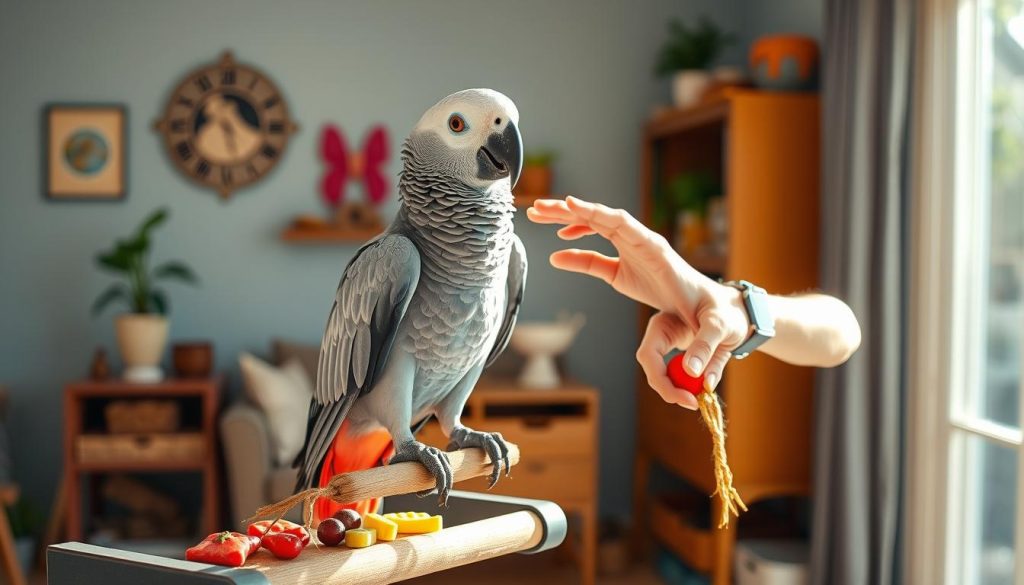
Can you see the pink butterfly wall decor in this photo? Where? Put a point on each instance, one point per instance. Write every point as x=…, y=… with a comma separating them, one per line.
x=344, y=166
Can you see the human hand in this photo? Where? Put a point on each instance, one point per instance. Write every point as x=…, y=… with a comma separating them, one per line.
x=695, y=313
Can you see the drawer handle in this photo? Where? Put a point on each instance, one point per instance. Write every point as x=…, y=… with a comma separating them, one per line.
x=143, y=441
x=535, y=467
x=537, y=422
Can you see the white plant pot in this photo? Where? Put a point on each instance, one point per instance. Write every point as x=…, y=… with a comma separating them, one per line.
x=142, y=340
x=688, y=86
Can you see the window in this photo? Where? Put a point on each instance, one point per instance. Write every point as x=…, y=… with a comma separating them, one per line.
x=965, y=492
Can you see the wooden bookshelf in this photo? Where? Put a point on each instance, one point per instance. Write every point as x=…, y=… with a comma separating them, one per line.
x=765, y=148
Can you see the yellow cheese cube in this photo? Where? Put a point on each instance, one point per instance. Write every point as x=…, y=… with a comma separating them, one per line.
x=386, y=529
x=360, y=537
x=415, y=522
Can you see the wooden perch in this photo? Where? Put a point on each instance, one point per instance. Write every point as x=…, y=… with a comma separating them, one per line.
x=388, y=480
x=407, y=557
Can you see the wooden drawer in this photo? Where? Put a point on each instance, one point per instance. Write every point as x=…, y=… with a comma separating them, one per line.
x=155, y=448
x=557, y=479
x=673, y=531
x=536, y=437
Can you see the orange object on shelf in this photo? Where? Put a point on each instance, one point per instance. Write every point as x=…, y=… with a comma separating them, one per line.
x=768, y=54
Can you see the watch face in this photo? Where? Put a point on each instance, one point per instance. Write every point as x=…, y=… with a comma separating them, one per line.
x=760, y=313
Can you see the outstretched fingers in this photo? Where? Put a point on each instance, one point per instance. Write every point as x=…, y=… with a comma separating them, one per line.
x=583, y=218
x=615, y=224
x=587, y=262
x=576, y=231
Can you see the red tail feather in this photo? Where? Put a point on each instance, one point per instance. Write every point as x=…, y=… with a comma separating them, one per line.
x=352, y=453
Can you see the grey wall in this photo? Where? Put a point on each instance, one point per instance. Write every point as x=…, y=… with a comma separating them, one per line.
x=761, y=17
x=579, y=72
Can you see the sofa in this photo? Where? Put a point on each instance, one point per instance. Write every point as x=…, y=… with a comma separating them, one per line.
x=253, y=477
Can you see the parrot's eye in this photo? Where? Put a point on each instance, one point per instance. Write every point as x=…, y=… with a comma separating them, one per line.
x=457, y=124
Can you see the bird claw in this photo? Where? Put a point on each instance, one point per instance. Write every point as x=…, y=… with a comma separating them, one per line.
x=436, y=462
x=492, y=443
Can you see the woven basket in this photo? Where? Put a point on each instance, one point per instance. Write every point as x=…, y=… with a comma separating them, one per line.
x=143, y=416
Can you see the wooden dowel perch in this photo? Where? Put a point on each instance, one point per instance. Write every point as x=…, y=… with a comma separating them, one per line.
x=388, y=480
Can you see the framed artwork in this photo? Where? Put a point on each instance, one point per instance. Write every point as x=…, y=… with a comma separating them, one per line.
x=85, y=152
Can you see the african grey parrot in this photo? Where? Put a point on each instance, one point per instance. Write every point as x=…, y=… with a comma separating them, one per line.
x=423, y=308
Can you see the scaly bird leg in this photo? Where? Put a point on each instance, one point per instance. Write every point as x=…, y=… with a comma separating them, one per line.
x=492, y=443
x=436, y=462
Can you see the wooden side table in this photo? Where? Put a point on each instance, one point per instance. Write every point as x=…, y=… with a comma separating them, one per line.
x=83, y=403
x=557, y=433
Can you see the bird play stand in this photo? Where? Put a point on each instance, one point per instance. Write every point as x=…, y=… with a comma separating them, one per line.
x=477, y=527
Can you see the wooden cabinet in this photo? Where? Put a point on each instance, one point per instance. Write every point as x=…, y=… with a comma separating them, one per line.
x=90, y=449
x=556, y=431
x=764, y=147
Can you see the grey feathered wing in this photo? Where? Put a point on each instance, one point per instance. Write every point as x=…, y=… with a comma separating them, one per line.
x=515, y=288
x=368, y=308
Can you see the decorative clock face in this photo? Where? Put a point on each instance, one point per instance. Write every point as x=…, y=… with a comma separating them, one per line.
x=226, y=125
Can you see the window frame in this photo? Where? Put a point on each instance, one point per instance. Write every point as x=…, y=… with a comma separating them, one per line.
x=946, y=257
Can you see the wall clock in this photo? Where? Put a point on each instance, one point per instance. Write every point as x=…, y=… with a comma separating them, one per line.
x=226, y=125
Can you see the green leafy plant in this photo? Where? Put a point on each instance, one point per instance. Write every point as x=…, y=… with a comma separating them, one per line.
x=25, y=518
x=690, y=191
x=130, y=258
x=539, y=158
x=691, y=48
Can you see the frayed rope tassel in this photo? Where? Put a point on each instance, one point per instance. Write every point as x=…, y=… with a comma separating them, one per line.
x=711, y=412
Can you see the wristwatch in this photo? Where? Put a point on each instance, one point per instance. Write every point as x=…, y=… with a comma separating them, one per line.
x=762, y=322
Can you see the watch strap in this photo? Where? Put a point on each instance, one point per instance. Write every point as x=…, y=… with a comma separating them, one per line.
x=762, y=322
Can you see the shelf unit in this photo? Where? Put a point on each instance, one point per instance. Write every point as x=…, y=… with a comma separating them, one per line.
x=327, y=235
x=556, y=431
x=201, y=400
x=765, y=147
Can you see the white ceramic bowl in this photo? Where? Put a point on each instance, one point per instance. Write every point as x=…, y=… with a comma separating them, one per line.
x=539, y=343
x=543, y=338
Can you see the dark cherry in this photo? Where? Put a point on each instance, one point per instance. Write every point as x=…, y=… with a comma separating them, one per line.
x=349, y=518
x=331, y=532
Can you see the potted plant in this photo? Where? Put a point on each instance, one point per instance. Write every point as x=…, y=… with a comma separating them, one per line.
x=535, y=180
x=142, y=332
x=687, y=55
x=25, y=521
x=686, y=199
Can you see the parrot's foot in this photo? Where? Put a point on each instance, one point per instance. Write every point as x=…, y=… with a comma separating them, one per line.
x=436, y=462
x=492, y=443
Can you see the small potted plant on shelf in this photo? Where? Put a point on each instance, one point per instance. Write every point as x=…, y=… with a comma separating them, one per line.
x=142, y=332
x=687, y=55
x=536, y=178
x=686, y=200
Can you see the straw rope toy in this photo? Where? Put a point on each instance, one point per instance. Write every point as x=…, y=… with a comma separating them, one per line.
x=711, y=412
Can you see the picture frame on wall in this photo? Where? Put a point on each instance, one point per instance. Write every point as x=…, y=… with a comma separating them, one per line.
x=85, y=152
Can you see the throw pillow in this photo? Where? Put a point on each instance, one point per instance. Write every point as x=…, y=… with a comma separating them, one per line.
x=283, y=395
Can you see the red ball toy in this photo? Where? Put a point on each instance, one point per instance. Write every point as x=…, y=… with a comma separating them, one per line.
x=681, y=379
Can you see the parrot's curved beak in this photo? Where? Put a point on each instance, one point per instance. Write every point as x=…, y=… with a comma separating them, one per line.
x=502, y=156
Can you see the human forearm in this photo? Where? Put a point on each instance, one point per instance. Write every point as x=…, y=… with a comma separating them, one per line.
x=811, y=330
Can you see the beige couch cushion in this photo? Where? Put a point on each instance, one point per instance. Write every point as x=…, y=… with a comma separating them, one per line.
x=283, y=395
